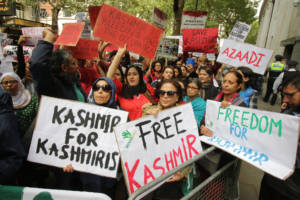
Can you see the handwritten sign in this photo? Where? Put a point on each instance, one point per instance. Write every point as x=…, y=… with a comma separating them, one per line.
x=10, y=52
x=120, y=28
x=81, y=134
x=193, y=19
x=239, y=32
x=159, y=18
x=200, y=40
x=70, y=34
x=34, y=35
x=85, y=49
x=152, y=146
x=240, y=54
x=267, y=140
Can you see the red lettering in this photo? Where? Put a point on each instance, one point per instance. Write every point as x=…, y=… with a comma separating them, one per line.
x=226, y=51
x=252, y=61
x=176, y=154
x=169, y=161
x=260, y=56
x=130, y=175
x=190, y=144
x=231, y=55
x=184, y=149
x=158, y=167
x=147, y=174
x=238, y=55
x=245, y=56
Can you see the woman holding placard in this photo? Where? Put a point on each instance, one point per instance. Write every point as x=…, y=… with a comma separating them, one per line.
x=103, y=94
x=134, y=93
x=169, y=93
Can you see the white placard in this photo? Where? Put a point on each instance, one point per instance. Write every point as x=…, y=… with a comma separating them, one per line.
x=159, y=18
x=81, y=134
x=5, y=66
x=11, y=52
x=153, y=145
x=211, y=56
x=239, y=54
x=193, y=19
x=267, y=140
x=239, y=32
x=34, y=34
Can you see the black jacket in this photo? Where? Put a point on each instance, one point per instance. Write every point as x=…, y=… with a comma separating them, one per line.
x=46, y=82
x=11, y=150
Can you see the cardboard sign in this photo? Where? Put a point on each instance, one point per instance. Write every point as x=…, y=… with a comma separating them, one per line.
x=85, y=49
x=81, y=134
x=152, y=146
x=159, y=18
x=120, y=28
x=34, y=35
x=267, y=140
x=70, y=34
x=200, y=40
x=239, y=32
x=93, y=13
x=240, y=54
x=29, y=193
x=193, y=19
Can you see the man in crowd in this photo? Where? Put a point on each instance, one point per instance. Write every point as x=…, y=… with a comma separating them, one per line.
x=275, y=69
x=271, y=187
x=291, y=69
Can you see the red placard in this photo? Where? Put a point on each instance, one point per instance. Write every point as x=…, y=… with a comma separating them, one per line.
x=120, y=28
x=85, y=49
x=93, y=12
x=200, y=40
x=70, y=34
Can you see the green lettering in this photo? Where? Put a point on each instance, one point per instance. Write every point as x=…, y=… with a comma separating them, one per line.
x=227, y=115
x=260, y=122
x=219, y=113
x=235, y=116
x=275, y=124
x=244, y=119
x=251, y=123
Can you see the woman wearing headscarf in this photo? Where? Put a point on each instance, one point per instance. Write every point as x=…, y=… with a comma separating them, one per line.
x=103, y=94
x=25, y=105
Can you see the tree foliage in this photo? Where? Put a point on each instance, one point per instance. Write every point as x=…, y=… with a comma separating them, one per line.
x=252, y=36
x=222, y=12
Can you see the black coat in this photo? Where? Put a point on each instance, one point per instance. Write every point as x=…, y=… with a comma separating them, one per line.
x=46, y=82
x=11, y=150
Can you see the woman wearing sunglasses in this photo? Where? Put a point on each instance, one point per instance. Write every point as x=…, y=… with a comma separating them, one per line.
x=103, y=94
x=169, y=93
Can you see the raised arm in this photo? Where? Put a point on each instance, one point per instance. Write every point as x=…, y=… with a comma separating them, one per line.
x=116, y=62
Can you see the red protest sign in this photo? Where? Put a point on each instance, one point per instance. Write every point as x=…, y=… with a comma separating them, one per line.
x=120, y=28
x=200, y=40
x=70, y=34
x=93, y=12
x=85, y=49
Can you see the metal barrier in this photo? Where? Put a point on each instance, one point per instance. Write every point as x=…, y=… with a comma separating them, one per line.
x=221, y=185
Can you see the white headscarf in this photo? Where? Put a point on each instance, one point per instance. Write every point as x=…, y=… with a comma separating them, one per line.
x=23, y=97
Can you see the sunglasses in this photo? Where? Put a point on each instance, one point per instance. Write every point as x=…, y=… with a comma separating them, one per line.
x=169, y=93
x=9, y=82
x=105, y=88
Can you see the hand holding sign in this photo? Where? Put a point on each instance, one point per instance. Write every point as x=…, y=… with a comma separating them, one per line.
x=48, y=35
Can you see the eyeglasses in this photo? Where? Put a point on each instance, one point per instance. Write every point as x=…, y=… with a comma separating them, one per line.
x=289, y=95
x=169, y=93
x=9, y=82
x=194, y=88
x=105, y=88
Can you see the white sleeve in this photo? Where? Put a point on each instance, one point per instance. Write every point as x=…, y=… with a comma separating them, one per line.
x=277, y=82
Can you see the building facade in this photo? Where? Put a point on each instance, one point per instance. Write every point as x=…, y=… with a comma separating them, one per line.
x=279, y=28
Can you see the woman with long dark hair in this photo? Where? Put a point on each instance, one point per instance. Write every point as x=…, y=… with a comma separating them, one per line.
x=207, y=90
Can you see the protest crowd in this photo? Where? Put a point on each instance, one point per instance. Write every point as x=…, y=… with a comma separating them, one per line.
x=141, y=87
